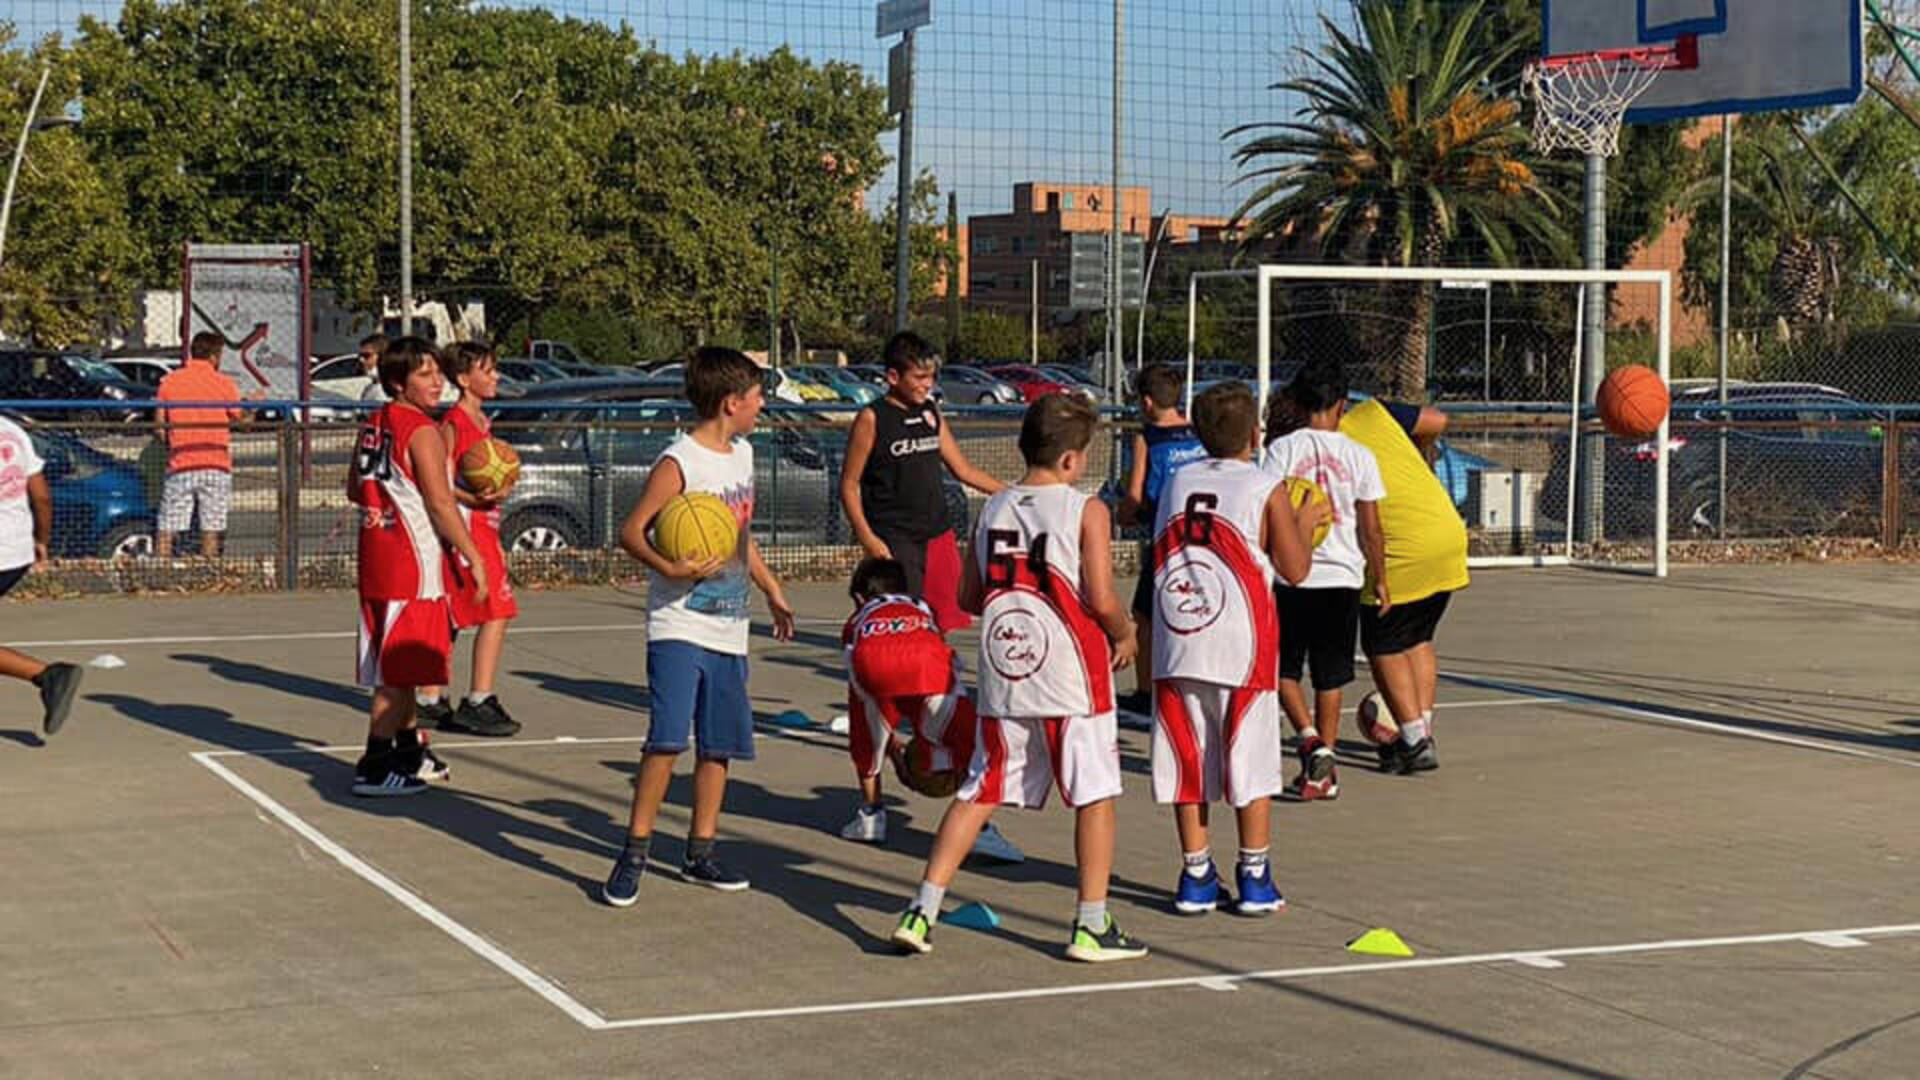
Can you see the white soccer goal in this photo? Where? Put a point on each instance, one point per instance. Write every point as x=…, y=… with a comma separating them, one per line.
x=1538, y=479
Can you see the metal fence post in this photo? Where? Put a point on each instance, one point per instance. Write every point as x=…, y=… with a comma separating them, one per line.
x=1892, y=525
x=287, y=470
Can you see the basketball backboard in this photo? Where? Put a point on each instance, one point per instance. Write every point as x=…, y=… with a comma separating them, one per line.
x=1753, y=55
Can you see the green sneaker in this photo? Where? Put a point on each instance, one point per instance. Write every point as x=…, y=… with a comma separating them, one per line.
x=912, y=933
x=1109, y=944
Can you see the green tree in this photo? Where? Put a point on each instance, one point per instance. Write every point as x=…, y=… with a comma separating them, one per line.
x=69, y=270
x=1403, y=150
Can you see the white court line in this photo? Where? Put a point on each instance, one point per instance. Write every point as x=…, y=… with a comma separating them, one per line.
x=485, y=949
x=344, y=635
x=593, y=1021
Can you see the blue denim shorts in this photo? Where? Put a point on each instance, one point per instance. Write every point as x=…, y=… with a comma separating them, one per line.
x=698, y=693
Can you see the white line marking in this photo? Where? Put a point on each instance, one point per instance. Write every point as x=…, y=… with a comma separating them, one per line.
x=311, y=635
x=1226, y=985
x=1211, y=981
x=1835, y=941
x=1536, y=961
x=483, y=948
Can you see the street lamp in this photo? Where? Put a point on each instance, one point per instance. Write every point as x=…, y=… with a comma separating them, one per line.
x=20, y=152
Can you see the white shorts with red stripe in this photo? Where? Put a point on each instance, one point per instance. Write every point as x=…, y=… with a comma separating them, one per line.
x=1015, y=761
x=873, y=721
x=1212, y=742
x=405, y=643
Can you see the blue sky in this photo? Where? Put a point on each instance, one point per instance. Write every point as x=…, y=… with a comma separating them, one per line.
x=1008, y=90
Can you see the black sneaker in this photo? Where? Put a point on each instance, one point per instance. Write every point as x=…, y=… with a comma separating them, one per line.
x=713, y=875
x=58, y=684
x=1317, y=763
x=486, y=719
x=432, y=716
x=623, y=885
x=1420, y=757
x=378, y=778
x=421, y=763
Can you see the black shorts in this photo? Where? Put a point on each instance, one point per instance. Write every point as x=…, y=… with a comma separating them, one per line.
x=1318, y=626
x=1403, y=627
x=10, y=578
x=1143, y=588
x=911, y=554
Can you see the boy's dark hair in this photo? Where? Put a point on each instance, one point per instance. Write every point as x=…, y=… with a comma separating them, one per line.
x=716, y=373
x=877, y=577
x=1164, y=383
x=907, y=351
x=401, y=358
x=1224, y=417
x=206, y=345
x=462, y=357
x=1321, y=385
x=1055, y=424
x=376, y=342
x=1283, y=416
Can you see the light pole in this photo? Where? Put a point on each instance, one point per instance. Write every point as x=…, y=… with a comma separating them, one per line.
x=20, y=155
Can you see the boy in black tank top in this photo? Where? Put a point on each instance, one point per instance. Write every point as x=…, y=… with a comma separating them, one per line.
x=892, y=488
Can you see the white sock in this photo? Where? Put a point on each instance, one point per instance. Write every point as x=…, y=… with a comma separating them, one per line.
x=1414, y=730
x=426, y=699
x=1253, y=858
x=930, y=898
x=479, y=699
x=1197, y=862
x=1092, y=914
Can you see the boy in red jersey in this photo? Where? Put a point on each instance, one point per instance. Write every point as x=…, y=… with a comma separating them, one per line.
x=402, y=481
x=900, y=668
x=471, y=366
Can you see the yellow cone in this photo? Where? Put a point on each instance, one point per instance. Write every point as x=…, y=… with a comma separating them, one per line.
x=1379, y=941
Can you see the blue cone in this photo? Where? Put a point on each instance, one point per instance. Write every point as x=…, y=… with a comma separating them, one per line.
x=793, y=718
x=974, y=916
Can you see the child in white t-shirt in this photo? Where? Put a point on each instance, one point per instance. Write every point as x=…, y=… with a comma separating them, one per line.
x=26, y=529
x=1320, y=619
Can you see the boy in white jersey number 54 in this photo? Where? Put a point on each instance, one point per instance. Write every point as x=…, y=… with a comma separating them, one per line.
x=1222, y=532
x=1040, y=575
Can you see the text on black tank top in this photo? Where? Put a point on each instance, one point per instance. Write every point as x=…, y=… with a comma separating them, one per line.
x=902, y=489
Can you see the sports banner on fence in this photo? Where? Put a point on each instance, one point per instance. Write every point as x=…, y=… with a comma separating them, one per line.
x=255, y=297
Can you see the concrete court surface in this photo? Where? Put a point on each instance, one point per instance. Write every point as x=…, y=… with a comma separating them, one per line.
x=1660, y=809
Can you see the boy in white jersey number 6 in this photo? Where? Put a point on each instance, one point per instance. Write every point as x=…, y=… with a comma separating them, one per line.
x=1040, y=575
x=1222, y=532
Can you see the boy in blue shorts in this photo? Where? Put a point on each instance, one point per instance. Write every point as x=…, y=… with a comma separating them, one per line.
x=697, y=624
x=1164, y=443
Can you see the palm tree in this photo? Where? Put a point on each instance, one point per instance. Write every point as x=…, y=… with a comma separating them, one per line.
x=1403, y=147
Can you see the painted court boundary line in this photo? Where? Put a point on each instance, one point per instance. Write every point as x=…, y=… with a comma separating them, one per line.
x=347, y=635
x=588, y=1018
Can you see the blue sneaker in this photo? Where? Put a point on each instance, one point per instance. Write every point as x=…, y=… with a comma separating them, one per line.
x=623, y=885
x=1258, y=895
x=1198, y=895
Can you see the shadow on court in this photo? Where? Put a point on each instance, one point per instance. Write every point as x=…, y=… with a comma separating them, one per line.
x=286, y=682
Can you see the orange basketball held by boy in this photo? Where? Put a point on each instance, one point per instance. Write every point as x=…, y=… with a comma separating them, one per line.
x=695, y=526
x=490, y=469
x=1632, y=402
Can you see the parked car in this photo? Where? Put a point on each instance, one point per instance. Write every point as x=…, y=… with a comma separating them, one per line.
x=525, y=370
x=1075, y=378
x=145, y=370
x=550, y=351
x=585, y=451
x=1793, y=467
x=40, y=375
x=340, y=376
x=959, y=384
x=1030, y=381
x=874, y=375
x=795, y=386
x=843, y=382
x=102, y=508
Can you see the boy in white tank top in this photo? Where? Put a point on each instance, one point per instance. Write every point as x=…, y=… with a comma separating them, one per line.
x=1040, y=575
x=1222, y=533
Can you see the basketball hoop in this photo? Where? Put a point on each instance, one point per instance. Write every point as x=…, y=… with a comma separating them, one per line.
x=1580, y=99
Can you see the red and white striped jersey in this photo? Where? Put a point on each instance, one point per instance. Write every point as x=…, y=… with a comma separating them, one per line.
x=1214, y=617
x=400, y=556
x=1042, y=651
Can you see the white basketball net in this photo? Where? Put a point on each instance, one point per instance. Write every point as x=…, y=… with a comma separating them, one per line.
x=1579, y=101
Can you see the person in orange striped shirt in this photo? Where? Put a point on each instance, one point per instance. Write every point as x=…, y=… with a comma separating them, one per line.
x=199, y=442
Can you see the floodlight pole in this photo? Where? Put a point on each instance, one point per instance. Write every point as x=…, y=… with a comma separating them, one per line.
x=903, y=201
x=406, y=167
x=19, y=155
x=1116, y=334
x=1726, y=267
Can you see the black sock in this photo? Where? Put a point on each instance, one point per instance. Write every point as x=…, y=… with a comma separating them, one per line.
x=378, y=746
x=636, y=849
x=699, y=848
x=407, y=739
x=41, y=679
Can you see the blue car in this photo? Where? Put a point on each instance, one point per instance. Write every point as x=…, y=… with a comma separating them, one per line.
x=101, y=507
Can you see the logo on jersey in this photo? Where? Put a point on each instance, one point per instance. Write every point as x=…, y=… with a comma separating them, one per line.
x=1192, y=595
x=899, y=624
x=1016, y=644
x=908, y=447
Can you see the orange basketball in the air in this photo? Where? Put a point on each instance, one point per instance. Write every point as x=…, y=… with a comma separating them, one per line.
x=1633, y=401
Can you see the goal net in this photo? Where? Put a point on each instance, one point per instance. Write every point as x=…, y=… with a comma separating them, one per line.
x=1537, y=479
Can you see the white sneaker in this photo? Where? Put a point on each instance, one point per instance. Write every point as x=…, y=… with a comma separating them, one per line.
x=867, y=827
x=993, y=845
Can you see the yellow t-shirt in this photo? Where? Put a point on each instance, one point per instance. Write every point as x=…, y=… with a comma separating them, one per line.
x=1426, y=539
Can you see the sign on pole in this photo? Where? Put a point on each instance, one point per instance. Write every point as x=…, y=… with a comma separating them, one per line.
x=899, y=78
x=899, y=16
x=255, y=297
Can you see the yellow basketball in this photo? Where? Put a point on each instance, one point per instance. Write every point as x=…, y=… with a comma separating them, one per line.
x=1301, y=491
x=489, y=468
x=696, y=526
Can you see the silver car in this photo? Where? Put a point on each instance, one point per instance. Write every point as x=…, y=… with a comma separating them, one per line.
x=962, y=385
